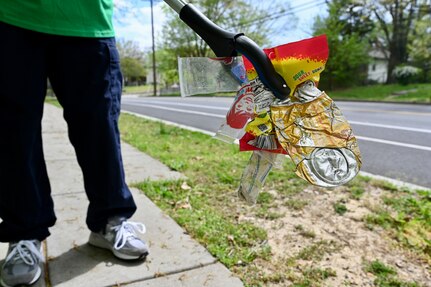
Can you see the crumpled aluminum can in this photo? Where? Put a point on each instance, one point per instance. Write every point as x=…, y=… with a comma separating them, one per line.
x=317, y=137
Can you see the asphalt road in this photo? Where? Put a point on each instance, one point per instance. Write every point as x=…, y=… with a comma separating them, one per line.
x=394, y=139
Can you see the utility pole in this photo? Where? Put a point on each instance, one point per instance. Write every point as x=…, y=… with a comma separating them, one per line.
x=154, y=51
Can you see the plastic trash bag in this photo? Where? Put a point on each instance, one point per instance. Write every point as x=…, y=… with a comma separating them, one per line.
x=254, y=175
x=200, y=75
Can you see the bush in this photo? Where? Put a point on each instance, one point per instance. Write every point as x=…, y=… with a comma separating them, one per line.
x=406, y=74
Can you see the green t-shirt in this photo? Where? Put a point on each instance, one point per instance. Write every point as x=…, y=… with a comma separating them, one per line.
x=82, y=18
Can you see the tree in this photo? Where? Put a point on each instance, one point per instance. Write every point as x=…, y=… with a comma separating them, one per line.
x=395, y=19
x=346, y=28
x=167, y=66
x=129, y=49
x=246, y=16
x=133, y=71
x=388, y=25
x=131, y=61
x=420, y=45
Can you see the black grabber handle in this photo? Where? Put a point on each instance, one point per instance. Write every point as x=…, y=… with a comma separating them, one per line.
x=227, y=44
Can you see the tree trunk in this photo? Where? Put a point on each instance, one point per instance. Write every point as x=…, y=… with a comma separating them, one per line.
x=402, y=13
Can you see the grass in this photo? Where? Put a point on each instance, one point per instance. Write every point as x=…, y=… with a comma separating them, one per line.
x=207, y=206
x=357, y=187
x=386, y=276
x=142, y=89
x=230, y=242
x=340, y=208
x=304, y=232
x=295, y=204
x=407, y=218
x=317, y=250
x=420, y=93
x=315, y=275
x=53, y=101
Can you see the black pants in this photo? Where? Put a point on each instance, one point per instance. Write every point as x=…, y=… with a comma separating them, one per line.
x=86, y=78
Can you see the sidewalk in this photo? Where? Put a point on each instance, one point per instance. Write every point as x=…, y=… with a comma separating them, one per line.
x=175, y=259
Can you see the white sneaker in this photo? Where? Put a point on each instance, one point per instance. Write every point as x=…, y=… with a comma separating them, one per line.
x=120, y=237
x=21, y=265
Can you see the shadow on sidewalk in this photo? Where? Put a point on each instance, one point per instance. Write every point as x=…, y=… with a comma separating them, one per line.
x=82, y=259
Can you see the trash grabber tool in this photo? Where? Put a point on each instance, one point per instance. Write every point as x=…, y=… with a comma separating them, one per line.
x=228, y=44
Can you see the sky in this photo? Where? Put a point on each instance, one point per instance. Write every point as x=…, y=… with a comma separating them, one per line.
x=137, y=27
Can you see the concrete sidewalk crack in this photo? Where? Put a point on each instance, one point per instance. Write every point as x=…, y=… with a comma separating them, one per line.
x=160, y=275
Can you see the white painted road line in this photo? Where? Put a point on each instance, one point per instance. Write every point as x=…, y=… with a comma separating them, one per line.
x=179, y=110
x=226, y=109
x=394, y=143
x=359, y=137
x=179, y=104
x=391, y=127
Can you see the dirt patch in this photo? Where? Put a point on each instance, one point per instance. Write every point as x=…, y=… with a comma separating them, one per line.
x=332, y=246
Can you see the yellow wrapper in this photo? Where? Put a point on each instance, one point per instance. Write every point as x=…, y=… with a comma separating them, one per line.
x=296, y=62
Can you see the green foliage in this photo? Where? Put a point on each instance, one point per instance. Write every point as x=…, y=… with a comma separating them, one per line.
x=420, y=46
x=167, y=65
x=133, y=70
x=398, y=29
x=179, y=40
x=348, y=49
x=131, y=61
x=405, y=74
x=394, y=21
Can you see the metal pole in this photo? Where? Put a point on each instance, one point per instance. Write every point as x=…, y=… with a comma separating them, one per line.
x=154, y=52
x=177, y=5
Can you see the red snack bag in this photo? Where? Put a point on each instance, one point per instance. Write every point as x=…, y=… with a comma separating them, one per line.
x=244, y=145
x=242, y=109
x=296, y=62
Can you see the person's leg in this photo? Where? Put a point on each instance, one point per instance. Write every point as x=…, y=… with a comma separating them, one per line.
x=26, y=207
x=85, y=76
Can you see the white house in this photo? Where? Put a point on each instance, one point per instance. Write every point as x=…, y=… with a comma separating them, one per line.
x=378, y=67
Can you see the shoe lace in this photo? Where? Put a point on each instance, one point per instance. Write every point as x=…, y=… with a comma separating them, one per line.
x=125, y=231
x=26, y=251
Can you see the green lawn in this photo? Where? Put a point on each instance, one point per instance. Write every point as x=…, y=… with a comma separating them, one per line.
x=420, y=93
x=138, y=89
x=207, y=206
